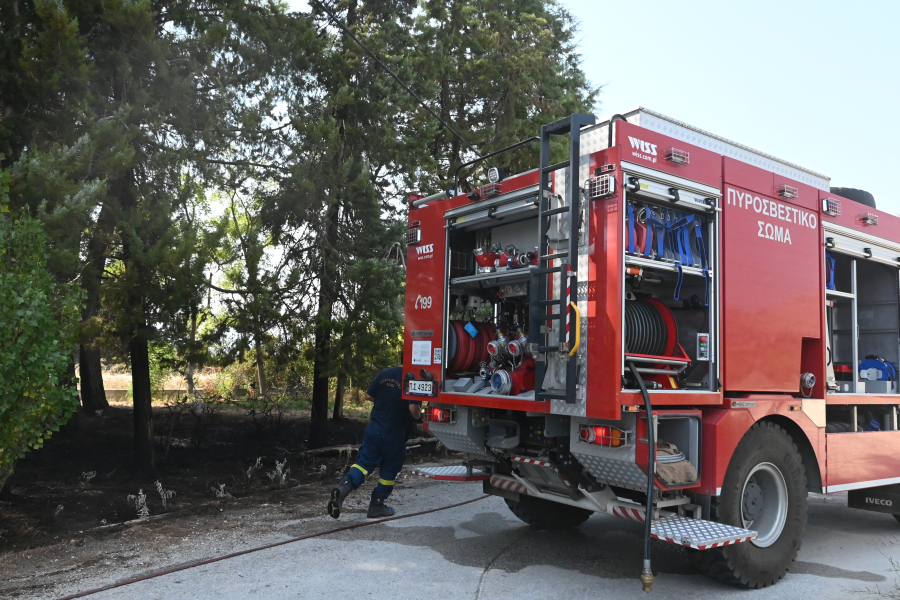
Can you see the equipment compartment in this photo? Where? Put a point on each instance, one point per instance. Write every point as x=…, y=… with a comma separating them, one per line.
x=669, y=302
x=488, y=309
x=863, y=324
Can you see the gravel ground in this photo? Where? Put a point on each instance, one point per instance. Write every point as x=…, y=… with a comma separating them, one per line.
x=478, y=551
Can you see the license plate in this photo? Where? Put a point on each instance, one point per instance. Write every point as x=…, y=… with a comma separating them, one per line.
x=420, y=387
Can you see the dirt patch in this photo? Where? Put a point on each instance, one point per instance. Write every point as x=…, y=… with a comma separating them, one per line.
x=78, y=486
x=92, y=559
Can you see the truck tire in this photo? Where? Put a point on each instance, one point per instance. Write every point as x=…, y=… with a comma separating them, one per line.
x=861, y=196
x=544, y=514
x=764, y=490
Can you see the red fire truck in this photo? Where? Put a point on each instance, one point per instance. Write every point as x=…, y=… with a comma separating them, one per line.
x=666, y=326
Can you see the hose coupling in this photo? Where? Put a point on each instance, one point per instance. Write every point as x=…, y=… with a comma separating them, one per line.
x=647, y=578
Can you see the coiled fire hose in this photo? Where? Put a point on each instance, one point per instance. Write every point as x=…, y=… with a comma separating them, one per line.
x=646, y=573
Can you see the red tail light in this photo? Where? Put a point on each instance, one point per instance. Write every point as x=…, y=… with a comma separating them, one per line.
x=603, y=435
x=440, y=415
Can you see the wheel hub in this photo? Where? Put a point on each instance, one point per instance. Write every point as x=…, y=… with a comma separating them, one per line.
x=764, y=503
x=752, y=501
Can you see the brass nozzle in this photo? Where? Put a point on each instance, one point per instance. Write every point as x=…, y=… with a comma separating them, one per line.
x=647, y=580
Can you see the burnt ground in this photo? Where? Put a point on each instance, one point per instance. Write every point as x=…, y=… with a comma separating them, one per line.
x=477, y=550
x=51, y=501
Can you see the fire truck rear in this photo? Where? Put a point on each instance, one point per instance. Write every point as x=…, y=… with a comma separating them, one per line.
x=666, y=326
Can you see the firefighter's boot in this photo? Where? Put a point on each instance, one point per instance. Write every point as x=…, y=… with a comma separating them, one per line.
x=378, y=509
x=338, y=494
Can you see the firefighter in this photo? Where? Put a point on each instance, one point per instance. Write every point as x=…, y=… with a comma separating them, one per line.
x=383, y=446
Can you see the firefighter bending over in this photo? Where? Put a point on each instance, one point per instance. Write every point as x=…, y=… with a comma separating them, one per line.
x=383, y=446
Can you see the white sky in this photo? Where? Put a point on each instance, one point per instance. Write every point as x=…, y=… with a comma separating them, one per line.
x=813, y=83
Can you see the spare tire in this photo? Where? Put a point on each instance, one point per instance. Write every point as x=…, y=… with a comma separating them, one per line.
x=861, y=196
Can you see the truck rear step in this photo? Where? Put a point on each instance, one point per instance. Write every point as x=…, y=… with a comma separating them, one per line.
x=670, y=527
x=684, y=531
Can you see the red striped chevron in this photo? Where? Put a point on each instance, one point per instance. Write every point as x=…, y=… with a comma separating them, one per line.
x=507, y=483
x=628, y=513
x=533, y=461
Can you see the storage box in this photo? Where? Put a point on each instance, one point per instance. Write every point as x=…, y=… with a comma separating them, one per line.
x=879, y=387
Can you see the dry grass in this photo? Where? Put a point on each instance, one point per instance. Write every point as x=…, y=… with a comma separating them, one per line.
x=116, y=381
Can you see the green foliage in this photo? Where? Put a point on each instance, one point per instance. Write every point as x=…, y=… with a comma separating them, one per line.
x=225, y=178
x=497, y=70
x=38, y=328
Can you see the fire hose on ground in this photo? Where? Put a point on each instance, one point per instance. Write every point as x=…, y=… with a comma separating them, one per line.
x=207, y=561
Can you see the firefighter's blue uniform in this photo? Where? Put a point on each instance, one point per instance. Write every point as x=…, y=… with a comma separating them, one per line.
x=384, y=441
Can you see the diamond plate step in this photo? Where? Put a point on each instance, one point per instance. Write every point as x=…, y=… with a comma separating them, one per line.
x=691, y=533
x=457, y=473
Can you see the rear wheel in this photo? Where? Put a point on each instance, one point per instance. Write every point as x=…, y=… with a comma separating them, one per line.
x=764, y=490
x=544, y=514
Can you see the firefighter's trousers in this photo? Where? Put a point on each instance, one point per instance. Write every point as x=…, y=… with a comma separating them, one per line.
x=383, y=449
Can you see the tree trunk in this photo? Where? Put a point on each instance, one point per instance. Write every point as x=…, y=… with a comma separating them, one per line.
x=93, y=394
x=339, y=397
x=189, y=378
x=143, y=412
x=328, y=275
x=189, y=368
x=318, y=426
x=260, y=363
x=5, y=484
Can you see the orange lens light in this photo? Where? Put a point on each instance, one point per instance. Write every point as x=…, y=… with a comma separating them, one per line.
x=603, y=435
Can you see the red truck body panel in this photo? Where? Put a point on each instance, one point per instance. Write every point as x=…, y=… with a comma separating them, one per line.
x=773, y=329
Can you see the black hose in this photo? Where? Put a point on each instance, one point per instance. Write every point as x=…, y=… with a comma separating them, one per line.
x=646, y=573
x=611, y=119
x=645, y=329
x=486, y=156
x=207, y=561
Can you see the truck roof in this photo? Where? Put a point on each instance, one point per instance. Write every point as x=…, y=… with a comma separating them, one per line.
x=660, y=123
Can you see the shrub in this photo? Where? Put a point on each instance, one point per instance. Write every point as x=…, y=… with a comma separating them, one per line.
x=38, y=330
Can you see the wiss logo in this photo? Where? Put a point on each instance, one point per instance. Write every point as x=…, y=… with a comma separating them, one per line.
x=425, y=251
x=642, y=146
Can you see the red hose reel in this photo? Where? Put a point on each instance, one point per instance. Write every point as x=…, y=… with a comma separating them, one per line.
x=465, y=352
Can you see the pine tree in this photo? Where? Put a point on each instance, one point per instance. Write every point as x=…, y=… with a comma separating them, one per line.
x=171, y=97
x=494, y=70
x=499, y=70
x=346, y=145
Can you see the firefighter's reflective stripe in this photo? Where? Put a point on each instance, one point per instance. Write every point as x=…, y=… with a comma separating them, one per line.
x=364, y=472
x=386, y=481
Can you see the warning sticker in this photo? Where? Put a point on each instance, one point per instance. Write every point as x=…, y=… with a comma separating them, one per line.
x=421, y=352
x=437, y=356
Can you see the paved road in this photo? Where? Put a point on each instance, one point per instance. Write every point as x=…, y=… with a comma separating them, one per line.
x=481, y=551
